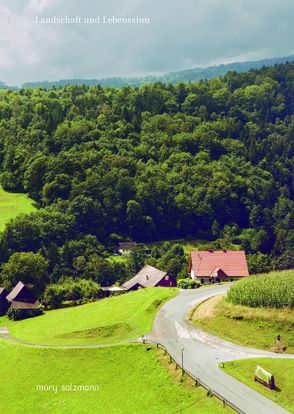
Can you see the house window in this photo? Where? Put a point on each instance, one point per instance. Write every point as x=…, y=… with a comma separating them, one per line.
x=167, y=277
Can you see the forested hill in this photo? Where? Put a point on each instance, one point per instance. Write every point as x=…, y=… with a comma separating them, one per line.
x=213, y=158
x=5, y=86
x=190, y=75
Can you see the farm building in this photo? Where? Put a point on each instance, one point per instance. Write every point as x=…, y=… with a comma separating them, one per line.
x=22, y=298
x=126, y=247
x=213, y=266
x=4, y=304
x=148, y=277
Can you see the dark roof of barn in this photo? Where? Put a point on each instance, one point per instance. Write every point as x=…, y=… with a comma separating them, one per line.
x=148, y=276
x=127, y=245
x=17, y=290
x=3, y=293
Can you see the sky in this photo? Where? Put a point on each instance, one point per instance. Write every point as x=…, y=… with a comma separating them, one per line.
x=181, y=34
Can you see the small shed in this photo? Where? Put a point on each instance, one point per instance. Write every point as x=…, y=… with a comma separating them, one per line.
x=21, y=297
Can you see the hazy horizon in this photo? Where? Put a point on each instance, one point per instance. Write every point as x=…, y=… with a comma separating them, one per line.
x=159, y=74
x=37, y=45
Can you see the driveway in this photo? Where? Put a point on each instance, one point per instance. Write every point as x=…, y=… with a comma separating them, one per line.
x=203, y=352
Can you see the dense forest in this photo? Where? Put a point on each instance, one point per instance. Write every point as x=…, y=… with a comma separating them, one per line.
x=212, y=159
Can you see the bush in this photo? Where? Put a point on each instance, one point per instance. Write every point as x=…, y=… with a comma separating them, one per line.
x=71, y=290
x=259, y=263
x=188, y=284
x=19, y=314
x=275, y=290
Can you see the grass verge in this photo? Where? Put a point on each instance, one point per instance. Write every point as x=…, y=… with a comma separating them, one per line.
x=283, y=371
x=252, y=327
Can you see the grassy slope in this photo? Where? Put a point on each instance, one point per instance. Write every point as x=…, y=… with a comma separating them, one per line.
x=283, y=371
x=11, y=205
x=112, y=319
x=188, y=246
x=258, y=328
x=118, y=259
x=130, y=381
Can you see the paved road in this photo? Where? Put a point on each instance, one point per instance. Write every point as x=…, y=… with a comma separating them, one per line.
x=203, y=352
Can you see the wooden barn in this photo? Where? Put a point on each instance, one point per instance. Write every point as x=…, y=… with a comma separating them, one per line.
x=148, y=277
x=213, y=266
x=4, y=304
x=22, y=298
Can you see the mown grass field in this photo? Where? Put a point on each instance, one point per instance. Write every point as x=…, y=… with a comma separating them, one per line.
x=130, y=380
x=108, y=320
x=283, y=371
x=118, y=259
x=11, y=205
x=252, y=327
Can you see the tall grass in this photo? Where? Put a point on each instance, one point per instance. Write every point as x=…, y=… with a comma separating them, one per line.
x=275, y=290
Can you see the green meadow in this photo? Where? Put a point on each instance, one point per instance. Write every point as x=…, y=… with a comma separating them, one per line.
x=117, y=379
x=283, y=371
x=112, y=319
x=124, y=379
x=13, y=204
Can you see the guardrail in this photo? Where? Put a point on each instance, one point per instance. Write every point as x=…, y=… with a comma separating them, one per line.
x=201, y=383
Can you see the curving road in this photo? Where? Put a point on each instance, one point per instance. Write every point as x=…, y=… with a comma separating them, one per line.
x=203, y=352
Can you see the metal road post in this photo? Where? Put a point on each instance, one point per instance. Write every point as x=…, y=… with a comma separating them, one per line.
x=182, y=350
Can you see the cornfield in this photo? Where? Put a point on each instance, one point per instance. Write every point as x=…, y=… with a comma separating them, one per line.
x=275, y=289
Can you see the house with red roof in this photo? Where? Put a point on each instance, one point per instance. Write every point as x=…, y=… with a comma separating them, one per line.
x=213, y=266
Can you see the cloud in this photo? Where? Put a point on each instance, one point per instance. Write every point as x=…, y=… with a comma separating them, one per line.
x=180, y=35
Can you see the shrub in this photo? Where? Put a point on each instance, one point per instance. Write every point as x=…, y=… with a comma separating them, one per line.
x=19, y=314
x=31, y=268
x=188, y=284
x=275, y=290
x=259, y=263
x=72, y=290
